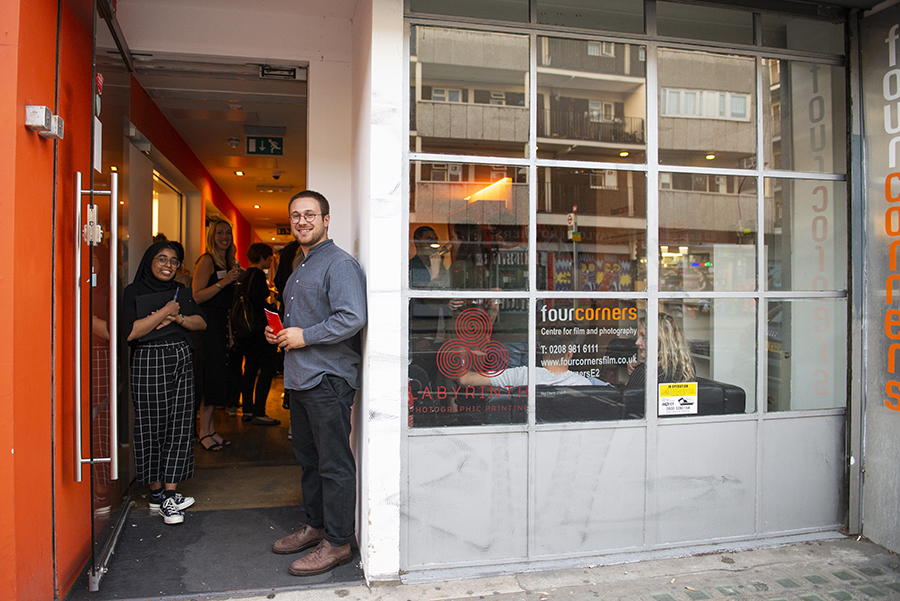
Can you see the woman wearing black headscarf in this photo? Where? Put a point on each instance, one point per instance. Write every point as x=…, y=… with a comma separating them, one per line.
x=158, y=314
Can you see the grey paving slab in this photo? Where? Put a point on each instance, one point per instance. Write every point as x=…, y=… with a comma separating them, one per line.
x=816, y=571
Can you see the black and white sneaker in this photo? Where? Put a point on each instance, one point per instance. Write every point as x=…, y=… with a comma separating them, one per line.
x=181, y=502
x=170, y=512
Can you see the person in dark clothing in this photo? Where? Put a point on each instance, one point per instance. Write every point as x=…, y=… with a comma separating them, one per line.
x=214, y=276
x=285, y=268
x=260, y=357
x=158, y=314
x=324, y=314
x=426, y=267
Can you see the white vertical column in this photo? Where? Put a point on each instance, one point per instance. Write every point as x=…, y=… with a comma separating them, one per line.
x=380, y=157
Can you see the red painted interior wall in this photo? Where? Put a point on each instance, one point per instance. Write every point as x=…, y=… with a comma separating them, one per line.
x=151, y=122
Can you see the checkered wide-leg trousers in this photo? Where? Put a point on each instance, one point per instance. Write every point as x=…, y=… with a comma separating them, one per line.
x=162, y=389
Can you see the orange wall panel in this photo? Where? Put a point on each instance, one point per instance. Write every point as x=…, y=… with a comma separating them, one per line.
x=73, y=509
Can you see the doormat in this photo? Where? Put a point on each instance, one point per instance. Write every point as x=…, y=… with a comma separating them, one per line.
x=212, y=553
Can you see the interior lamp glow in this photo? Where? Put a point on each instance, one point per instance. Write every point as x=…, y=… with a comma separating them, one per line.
x=710, y=156
x=494, y=188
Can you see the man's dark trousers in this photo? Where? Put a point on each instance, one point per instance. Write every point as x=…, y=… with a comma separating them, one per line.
x=320, y=429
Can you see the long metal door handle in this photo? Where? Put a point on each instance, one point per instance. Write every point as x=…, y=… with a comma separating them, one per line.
x=113, y=326
x=92, y=235
x=78, y=456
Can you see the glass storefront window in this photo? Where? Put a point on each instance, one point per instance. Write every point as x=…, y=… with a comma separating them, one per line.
x=807, y=354
x=622, y=15
x=469, y=223
x=806, y=234
x=794, y=33
x=591, y=101
x=605, y=248
x=584, y=354
x=804, y=116
x=468, y=362
x=704, y=23
x=468, y=227
x=504, y=10
x=707, y=110
x=707, y=232
x=720, y=340
x=468, y=92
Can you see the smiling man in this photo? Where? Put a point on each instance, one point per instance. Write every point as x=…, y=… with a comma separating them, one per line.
x=325, y=311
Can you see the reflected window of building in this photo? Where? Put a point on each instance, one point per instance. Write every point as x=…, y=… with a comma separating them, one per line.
x=704, y=23
x=806, y=366
x=707, y=232
x=468, y=227
x=795, y=33
x=591, y=100
x=804, y=118
x=468, y=92
x=504, y=10
x=603, y=247
x=806, y=234
x=622, y=15
x=706, y=109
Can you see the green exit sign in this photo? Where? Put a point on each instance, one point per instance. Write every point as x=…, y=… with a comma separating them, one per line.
x=267, y=145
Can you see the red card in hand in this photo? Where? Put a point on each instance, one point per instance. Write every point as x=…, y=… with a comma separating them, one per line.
x=274, y=321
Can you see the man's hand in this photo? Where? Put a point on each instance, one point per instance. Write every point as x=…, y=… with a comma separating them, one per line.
x=288, y=338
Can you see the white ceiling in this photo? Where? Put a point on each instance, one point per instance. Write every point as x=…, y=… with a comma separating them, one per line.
x=208, y=101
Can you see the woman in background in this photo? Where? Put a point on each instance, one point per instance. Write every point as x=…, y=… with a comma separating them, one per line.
x=675, y=364
x=214, y=276
x=162, y=377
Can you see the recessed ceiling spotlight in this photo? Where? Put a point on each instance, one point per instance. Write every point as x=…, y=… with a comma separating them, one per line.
x=113, y=168
x=624, y=153
x=255, y=206
x=710, y=156
x=239, y=173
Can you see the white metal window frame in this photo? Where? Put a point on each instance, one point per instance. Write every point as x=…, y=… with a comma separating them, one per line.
x=649, y=44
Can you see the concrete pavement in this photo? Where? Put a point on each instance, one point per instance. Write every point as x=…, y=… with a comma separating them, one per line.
x=844, y=569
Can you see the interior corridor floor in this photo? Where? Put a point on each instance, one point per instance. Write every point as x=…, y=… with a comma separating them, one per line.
x=247, y=496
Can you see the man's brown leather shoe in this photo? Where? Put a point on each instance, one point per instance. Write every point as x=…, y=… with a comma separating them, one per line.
x=304, y=538
x=321, y=559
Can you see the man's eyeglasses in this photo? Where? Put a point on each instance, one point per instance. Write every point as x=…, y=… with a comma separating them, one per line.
x=162, y=261
x=307, y=217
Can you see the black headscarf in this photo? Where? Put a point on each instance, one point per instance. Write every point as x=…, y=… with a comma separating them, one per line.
x=147, y=283
x=144, y=280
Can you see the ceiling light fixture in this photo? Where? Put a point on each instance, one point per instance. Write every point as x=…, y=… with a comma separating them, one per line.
x=113, y=168
x=239, y=173
x=234, y=142
x=255, y=206
x=270, y=189
x=710, y=156
x=624, y=153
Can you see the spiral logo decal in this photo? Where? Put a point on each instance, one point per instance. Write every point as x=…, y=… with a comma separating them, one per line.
x=490, y=358
x=454, y=358
x=474, y=326
x=473, y=350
